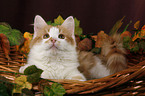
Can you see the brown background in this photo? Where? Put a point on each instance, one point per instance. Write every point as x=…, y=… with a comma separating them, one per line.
x=95, y=15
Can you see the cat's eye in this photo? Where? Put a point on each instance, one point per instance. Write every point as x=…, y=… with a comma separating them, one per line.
x=61, y=36
x=45, y=36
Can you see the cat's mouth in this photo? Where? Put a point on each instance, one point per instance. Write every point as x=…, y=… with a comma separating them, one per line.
x=53, y=47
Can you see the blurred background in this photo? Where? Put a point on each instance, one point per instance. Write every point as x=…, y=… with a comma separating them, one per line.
x=94, y=15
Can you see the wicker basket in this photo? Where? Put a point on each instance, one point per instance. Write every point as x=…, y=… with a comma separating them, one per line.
x=125, y=83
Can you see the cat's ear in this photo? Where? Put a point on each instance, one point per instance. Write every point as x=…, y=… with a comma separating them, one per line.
x=39, y=23
x=69, y=25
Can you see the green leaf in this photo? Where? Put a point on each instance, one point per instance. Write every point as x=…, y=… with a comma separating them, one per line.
x=135, y=49
x=126, y=42
x=34, y=78
x=3, y=28
x=33, y=74
x=55, y=90
x=54, y=24
x=126, y=45
x=126, y=39
x=58, y=89
x=77, y=22
x=48, y=91
x=78, y=31
x=14, y=36
x=30, y=70
x=142, y=44
x=59, y=20
x=116, y=26
x=49, y=22
x=6, y=25
x=126, y=26
x=3, y=90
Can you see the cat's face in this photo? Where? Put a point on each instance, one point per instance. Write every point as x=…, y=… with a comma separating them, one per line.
x=53, y=37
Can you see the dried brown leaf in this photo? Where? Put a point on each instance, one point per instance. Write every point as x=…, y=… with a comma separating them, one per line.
x=5, y=45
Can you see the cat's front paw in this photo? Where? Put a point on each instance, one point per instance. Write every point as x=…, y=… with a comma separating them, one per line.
x=22, y=68
x=79, y=77
x=45, y=75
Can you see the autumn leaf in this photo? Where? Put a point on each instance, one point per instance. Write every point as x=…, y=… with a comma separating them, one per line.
x=28, y=35
x=136, y=25
x=139, y=34
x=21, y=83
x=143, y=32
x=116, y=26
x=5, y=45
x=100, y=39
x=85, y=44
x=25, y=48
x=59, y=20
x=125, y=34
x=136, y=35
x=143, y=28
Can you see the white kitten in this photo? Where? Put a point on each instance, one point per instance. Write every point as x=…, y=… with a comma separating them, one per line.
x=53, y=49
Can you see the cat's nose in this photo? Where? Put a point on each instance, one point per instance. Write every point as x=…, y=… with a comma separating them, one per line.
x=53, y=40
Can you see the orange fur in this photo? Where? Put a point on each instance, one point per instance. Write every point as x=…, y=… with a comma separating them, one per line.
x=112, y=57
x=46, y=28
x=87, y=61
x=114, y=54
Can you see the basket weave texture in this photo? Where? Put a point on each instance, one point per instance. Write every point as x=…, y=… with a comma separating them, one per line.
x=128, y=82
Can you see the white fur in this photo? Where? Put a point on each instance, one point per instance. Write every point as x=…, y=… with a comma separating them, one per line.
x=99, y=70
x=59, y=62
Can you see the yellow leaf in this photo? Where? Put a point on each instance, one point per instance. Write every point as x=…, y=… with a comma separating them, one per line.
x=59, y=20
x=136, y=35
x=142, y=34
x=136, y=25
x=25, y=48
x=143, y=28
x=21, y=83
x=17, y=89
x=28, y=85
x=28, y=36
x=20, y=80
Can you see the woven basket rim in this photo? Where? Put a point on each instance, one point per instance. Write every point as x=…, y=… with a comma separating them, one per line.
x=80, y=87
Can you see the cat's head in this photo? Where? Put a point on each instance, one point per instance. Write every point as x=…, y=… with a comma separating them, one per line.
x=49, y=37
